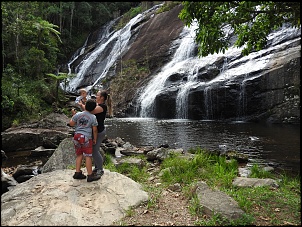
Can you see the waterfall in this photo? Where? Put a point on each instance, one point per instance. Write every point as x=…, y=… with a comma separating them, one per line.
x=231, y=72
x=123, y=35
x=181, y=57
x=112, y=45
x=182, y=98
x=183, y=62
x=188, y=86
x=242, y=99
x=208, y=102
x=76, y=55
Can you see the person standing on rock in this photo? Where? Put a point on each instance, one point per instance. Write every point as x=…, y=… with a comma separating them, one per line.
x=100, y=112
x=84, y=137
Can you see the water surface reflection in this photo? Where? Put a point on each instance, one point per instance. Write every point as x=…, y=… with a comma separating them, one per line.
x=272, y=144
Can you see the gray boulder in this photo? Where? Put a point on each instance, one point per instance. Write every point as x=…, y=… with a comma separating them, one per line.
x=48, y=132
x=56, y=199
x=63, y=157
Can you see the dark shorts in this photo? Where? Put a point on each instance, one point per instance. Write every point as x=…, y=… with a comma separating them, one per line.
x=82, y=145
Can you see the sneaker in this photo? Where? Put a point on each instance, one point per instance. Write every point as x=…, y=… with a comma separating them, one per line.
x=93, y=177
x=95, y=170
x=79, y=175
x=99, y=172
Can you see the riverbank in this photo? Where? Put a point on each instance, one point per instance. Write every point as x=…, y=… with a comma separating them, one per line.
x=264, y=206
x=172, y=183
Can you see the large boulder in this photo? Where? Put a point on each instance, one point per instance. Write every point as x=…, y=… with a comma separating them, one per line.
x=56, y=199
x=63, y=157
x=48, y=132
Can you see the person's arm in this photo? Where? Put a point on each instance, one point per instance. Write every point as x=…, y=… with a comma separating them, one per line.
x=81, y=105
x=98, y=109
x=73, y=111
x=95, y=133
x=72, y=123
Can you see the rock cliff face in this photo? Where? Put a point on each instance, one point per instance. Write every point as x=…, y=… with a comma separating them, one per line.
x=154, y=39
x=270, y=93
x=263, y=86
x=48, y=132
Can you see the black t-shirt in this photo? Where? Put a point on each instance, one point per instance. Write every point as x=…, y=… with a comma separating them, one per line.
x=101, y=118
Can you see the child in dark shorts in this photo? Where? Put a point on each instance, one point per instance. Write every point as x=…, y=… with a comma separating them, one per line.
x=84, y=137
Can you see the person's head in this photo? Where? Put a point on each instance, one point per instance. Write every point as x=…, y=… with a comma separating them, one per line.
x=102, y=95
x=83, y=92
x=90, y=105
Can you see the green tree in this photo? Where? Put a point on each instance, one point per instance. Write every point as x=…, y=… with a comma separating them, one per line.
x=59, y=78
x=251, y=22
x=31, y=47
x=30, y=42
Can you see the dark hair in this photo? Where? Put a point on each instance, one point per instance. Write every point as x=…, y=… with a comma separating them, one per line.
x=90, y=105
x=104, y=94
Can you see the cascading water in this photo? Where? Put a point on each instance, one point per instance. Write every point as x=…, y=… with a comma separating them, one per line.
x=182, y=95
x=123, y=35
x=157, y=84
x=208, y=102
x=108, y=50
x=242, y=100
x=185, y=63
x=235, y=69
x=218, y=86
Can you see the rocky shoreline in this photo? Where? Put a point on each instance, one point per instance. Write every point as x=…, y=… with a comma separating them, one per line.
x=50, y=191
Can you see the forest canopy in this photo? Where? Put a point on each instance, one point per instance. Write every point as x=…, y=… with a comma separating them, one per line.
x=37, y=39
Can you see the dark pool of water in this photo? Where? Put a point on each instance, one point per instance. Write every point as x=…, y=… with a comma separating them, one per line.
x=277, y=145
x=24, y=158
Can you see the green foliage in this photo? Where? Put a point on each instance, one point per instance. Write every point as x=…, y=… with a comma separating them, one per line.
x=30, y=43
x=258, y=172
x=59, y=78
x=168, y=5
x=285, y=199
x=35, y=57
x=134, y=172
x=15, y=123
x=128, y=16
x=7, y=103
x=23, y=99
x=250, y=21
x=126, y=81
x=71, y=167
x=178, y=170
x=108, y=163
x=216, y=169
x=277, y=206
x=218, y=172
x=195, y=207
x=37, y=38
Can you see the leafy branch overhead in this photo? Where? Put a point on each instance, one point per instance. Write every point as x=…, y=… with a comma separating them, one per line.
x=251, y=22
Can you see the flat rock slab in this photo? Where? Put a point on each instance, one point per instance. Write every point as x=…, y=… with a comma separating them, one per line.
x=254, y=182
x=56, y=199
x=217, y=202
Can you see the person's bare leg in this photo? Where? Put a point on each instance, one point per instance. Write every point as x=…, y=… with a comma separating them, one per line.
x=88, y=161
x=78, y=174
x=79, y=162
x=90, y=176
